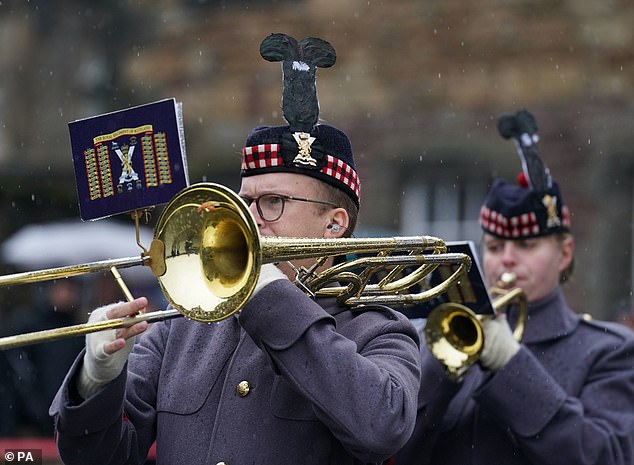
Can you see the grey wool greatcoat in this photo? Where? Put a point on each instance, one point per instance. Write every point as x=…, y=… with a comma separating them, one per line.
x=317, y=386
x=567, y=397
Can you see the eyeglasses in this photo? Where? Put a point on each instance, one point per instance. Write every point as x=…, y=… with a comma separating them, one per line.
x=271, y=206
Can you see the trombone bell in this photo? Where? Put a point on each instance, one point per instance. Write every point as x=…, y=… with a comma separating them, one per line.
x=212, y=256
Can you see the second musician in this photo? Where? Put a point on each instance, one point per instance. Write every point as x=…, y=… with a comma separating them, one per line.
x=565, y=394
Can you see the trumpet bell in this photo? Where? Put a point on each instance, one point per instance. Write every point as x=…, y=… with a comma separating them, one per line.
x=212, y=258
x=454, y=336
x=454, y=333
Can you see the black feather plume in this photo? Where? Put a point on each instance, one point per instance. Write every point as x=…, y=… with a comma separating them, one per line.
x=522, y=128
x=300, y=61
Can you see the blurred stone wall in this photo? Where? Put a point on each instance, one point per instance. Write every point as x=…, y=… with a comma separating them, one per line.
x=417, y=86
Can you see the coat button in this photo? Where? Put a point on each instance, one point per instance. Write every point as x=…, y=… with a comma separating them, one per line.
x=243, y=388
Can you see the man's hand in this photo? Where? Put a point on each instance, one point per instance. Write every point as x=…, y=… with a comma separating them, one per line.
x=121, y=335
x=499, y=344
x=107, y=351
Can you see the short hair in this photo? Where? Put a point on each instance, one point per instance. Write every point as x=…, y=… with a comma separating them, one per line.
x=331, y=194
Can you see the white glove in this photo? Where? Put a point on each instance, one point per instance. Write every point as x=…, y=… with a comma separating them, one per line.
x=100, y=368
x=499, y=344
x=268, y=274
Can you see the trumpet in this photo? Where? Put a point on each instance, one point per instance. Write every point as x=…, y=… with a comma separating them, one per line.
x=207, y=254
x=454, y=334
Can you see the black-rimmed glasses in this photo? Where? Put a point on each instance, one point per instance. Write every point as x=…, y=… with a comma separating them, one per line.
x=271, y=206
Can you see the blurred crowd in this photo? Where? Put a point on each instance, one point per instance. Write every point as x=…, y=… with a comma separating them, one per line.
x=30, y=375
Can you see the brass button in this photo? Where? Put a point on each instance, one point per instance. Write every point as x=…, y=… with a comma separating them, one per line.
x=243, y=388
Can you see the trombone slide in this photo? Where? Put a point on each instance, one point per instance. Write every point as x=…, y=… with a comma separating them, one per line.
x=48, y=335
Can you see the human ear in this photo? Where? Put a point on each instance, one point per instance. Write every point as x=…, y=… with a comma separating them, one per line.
x=567, y=252
x=338, y=223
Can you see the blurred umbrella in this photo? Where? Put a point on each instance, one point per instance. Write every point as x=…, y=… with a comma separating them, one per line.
x=72, y=242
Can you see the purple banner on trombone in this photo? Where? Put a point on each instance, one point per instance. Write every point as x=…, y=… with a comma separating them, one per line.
x=129, y=159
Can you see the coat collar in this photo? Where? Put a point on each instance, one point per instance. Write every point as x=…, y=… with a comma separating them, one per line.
x=549, y=318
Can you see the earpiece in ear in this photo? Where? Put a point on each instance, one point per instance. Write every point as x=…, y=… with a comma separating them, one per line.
x=334, y=227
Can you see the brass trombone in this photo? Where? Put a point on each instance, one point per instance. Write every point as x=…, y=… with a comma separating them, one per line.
x=207, y=254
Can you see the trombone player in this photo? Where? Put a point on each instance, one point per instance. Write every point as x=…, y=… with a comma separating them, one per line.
x=288, y=380
x=565, y=393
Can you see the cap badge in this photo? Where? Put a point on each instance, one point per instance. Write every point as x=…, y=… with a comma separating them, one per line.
x=550, y=202
x=304, y=142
